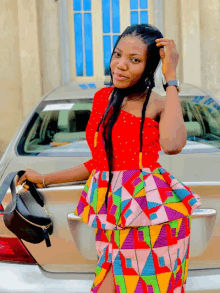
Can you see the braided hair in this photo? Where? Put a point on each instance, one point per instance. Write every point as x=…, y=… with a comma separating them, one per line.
x=148, y=34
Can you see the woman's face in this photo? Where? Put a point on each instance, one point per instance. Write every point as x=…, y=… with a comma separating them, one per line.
x=128, y=61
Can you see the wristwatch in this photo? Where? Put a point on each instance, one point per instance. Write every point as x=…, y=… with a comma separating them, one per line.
x=174, y=82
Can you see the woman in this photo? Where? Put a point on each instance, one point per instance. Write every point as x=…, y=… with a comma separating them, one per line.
x=141, y=213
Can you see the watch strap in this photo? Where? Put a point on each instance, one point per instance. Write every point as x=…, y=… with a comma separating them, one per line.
x=174, y=82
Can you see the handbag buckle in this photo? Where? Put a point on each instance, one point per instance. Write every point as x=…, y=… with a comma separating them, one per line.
x=20, y=187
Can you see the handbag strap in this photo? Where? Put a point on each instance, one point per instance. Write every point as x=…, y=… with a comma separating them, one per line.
x=9, y=181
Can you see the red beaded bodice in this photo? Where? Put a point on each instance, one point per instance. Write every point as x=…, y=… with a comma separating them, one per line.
x=125, y=138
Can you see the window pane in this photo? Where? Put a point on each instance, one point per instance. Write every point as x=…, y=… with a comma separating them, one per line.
x=88, y=44
x=57, y=129
x=133, y=4
x=78, y=43
x=87, y=5
x=144, y=17
x=106, y=16
x=134, y=17
x=115, y=16
x=143, y=4
x=77, y=5
x=107, y=54
x=114, y=39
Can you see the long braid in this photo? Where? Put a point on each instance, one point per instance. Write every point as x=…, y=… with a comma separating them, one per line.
x=108, y=137
x=107, y=109
x=151, y=85
x=114, y=106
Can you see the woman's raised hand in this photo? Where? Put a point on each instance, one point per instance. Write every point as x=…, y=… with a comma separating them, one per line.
x=169, y=57
x=32, y=176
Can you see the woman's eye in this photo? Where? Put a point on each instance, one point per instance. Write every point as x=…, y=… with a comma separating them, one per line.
x=135, y=60
x=117, y=54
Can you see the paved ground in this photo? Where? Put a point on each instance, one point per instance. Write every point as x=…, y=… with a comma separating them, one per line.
x=1, y=154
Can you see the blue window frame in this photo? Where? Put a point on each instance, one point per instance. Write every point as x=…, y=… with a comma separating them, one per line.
x=138, y=11
x=110, y=29
x=83, y=37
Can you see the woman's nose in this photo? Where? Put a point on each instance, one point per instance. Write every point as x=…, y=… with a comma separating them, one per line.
x=122, y=64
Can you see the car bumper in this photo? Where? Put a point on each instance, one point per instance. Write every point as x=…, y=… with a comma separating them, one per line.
x=20, y=278
x=31, y=278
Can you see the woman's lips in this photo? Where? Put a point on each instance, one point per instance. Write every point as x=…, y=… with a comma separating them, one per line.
x=119, y=77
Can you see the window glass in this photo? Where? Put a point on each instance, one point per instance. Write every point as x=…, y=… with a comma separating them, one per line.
x=202, y=119
x=83, y=37
x=110, y=29
x=138, y=11
x=57, y=128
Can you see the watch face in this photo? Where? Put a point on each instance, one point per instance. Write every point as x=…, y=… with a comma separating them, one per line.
x=173, y=82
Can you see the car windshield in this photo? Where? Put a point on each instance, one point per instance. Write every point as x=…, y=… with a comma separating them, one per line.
x=57, y=128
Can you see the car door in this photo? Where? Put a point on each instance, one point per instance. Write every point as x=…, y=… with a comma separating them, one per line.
x=198, y=166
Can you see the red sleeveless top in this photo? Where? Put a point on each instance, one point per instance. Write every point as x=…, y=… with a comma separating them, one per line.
x=125, y=138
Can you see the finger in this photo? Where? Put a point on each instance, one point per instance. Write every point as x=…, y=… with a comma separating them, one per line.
x=26, y=186
x=163, y=40
x=162, y=53
x=22, y=179
x=167, y=44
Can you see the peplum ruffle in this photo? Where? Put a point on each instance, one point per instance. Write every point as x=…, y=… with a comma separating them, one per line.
x=135, y=199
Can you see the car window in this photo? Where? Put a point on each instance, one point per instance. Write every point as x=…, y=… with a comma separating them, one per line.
x=202, y=119
x=57, y=128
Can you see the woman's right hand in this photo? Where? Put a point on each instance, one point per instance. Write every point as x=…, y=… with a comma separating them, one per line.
x=32, y=176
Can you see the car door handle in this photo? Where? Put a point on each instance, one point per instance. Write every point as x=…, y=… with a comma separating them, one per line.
x=83, y=237
x=202, y=227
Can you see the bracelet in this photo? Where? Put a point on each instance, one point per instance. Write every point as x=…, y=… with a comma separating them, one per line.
x=43, y=180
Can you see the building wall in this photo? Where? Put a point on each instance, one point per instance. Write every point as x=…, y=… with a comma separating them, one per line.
x=194, y=25
x=49, y=45
x=32, y=49
x=20, y=86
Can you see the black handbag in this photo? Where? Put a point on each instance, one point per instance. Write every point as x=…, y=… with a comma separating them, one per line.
x=26, y=215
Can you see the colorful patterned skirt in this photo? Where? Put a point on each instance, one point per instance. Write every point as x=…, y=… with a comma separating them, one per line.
x=136, y=198
x=150, y=259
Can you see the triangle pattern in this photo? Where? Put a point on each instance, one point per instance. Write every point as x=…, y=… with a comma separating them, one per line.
x=143, y=255
x=151, y=204
x=102, y=209
x=149, y=269
x=172, y=214
x=129, y=241
x=160, y=182
x=138, y=288
x=162, y=238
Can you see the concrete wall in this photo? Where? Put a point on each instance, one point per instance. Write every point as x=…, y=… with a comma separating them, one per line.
x=49, y=46
x=29, y=59
x=20, y=86
x=194, y=25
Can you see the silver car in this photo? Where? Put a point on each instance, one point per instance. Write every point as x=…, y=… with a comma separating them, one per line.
x=52, y=138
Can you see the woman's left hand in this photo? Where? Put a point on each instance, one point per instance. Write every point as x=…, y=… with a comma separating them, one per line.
x=169, y=57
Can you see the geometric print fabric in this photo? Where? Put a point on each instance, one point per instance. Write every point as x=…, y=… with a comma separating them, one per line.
x=151, y=259
x=136, y=198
